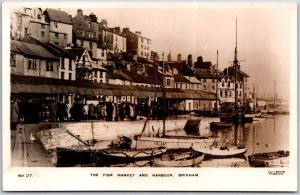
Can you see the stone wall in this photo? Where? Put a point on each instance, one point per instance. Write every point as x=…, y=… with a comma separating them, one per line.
x=103, y=132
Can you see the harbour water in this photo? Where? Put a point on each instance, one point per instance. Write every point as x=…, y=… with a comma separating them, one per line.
x=264, y=135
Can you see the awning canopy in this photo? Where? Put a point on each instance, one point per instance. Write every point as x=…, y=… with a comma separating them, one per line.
x=40, y=85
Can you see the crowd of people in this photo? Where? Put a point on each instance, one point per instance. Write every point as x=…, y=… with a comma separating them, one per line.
x=34, y=111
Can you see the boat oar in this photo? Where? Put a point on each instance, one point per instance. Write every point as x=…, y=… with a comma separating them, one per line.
x=78, y=138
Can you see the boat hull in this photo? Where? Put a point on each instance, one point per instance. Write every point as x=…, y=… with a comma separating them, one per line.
x=117, y=156
x=187, y=161
x=220, y=125
x=64, y=157
x=218, y=152
x=271, y=159
x=174, y=142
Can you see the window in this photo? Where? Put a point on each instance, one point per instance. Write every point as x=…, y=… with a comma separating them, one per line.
x=56, y=35
x=192, y=86
x=12, y=60
x=70, y=76
x=91, y=45
x=39, y=16
x=241, y=85
x=91, y=34
x=142, y=53
x=62, y=75
x=81, y=43
x=20, y=19
x=26, y=31
x=204, y=87
x=89, y=24
x=55, y=24
x=70, y=64
x=213, y=87
x=43, y=26
x=168, y=82
x=223, y=84
x=225, y=93
x=95, y=73
x=180, y=85
x=63, y=63
x=42, y=33
x=31, y=64
x=101, y=74
x=65, y=36
x=49, y=66
x=56, y=43
x=221, y=93
x=204, y=80
x=230, y=94
x=228, y=84
x=102, y=53
x=142, y=40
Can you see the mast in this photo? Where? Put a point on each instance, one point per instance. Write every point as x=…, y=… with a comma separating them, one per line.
x=235, y=63
x=164, y=99
x=217, y=81
x=274, y=95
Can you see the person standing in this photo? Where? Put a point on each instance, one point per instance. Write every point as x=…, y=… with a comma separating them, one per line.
x=85, y=111
x=14, y=115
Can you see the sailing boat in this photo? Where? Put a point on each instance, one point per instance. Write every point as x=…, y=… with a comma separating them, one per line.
x=235, y=117
x=223, y=151
x=170, y=141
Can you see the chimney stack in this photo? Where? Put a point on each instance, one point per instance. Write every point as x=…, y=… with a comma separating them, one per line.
x=190, y=60
x=79, y=12
x=179, y=57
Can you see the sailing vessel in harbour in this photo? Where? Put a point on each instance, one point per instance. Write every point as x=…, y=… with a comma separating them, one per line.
x=236, y=116
x=170, y=141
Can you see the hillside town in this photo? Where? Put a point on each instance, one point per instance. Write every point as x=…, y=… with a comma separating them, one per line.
x=67, y=67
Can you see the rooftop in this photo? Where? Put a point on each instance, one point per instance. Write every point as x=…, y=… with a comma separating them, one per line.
x=58, y=16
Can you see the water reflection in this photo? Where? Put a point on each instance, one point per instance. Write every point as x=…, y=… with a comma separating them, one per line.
x=271, y=134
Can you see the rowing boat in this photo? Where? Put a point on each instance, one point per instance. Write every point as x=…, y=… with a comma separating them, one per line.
x=221, y=151
x=183, y=159
x=270, y=159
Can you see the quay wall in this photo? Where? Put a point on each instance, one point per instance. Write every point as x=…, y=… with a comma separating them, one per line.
x=102, y=131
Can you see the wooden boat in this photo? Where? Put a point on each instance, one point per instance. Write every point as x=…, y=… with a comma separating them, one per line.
x=116, y=156
x=64, y=157
x=258, y=119
x=271, y=159
x=235, y=161
x=121, y=142
x=221, y=151
x=175, y=142
x=253, y=115
x=220, y=125
x=185, y=159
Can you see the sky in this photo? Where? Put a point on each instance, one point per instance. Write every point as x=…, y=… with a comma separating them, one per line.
x=264, y=36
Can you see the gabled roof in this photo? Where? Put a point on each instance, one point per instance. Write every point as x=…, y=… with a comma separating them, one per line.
x=203, y=74
x=180, y=78
x=63, y=52
x=31, y=50
x=58, y=16
x=179, y=65
x=77, y=51
x=192, y=79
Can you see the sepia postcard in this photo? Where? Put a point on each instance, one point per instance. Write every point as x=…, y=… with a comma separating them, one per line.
x=162, y=96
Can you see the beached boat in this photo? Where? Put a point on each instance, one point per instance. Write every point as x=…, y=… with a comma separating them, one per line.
x=115, y=156
x=64, y=157
x=182, y=159
x=220, y=125
x=221, y=151
x=175, y=142
x=271, y=159
x=253, y=115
